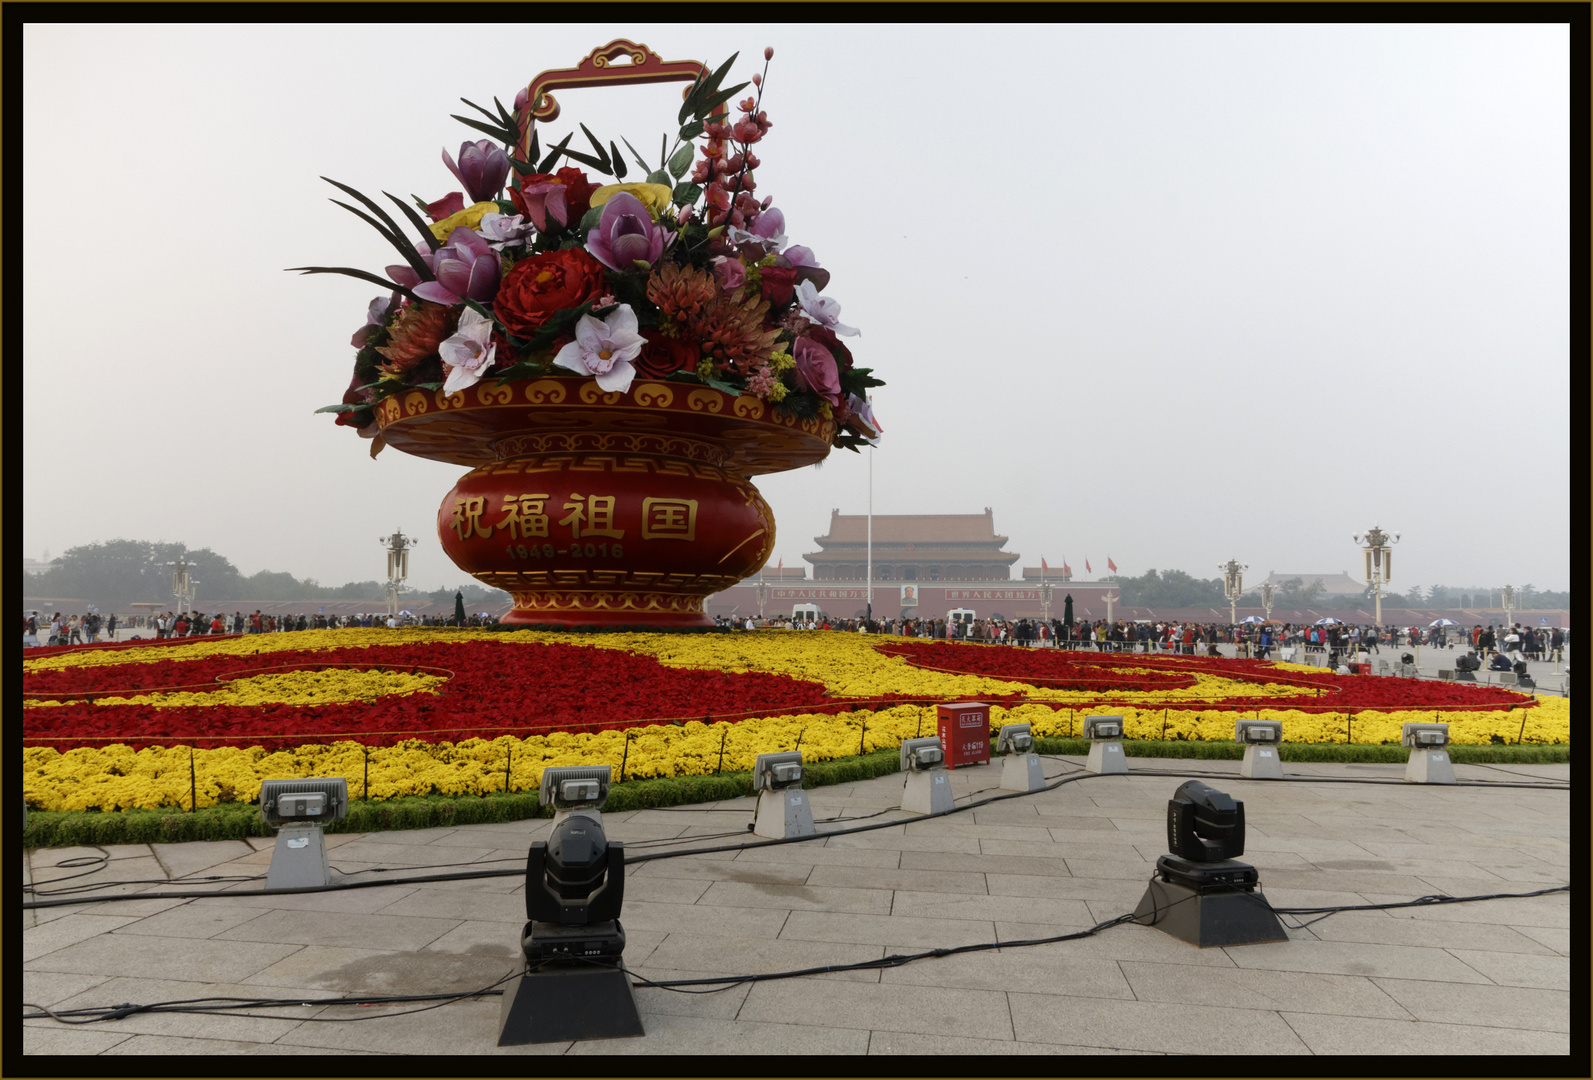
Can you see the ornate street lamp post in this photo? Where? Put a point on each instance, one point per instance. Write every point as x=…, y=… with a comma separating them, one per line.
x=1110, y=598
x=1376, y=545
x=182, y=584
x=763, y=594
x=1267, y=595
x=397, y=547
x=1507, y=600
x=1233, y=586
x=1045, y=600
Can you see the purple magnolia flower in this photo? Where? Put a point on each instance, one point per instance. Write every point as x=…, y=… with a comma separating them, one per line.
x=768, y=232
x=465, y=267
x=806, y=265
x=815, y=370
x=625, y=235
x=482, y=168
x=404, y=274
x=821, y=309
x=605, y=348
x=469, y=353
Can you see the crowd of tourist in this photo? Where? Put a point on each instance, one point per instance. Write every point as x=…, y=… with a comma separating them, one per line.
x=59, y=629
x=1259, y=641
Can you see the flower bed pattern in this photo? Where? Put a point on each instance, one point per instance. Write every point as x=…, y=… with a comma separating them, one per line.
x=513, y=704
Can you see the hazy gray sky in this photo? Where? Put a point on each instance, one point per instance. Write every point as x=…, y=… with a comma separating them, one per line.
x=1173, y=294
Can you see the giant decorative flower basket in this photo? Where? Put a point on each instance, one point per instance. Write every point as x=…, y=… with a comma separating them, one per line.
x=603, y=509
x=613, y=362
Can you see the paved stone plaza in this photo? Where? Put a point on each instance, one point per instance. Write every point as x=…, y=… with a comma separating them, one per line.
x=1490, y=977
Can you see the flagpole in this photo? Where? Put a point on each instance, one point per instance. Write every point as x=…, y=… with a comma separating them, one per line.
x=869, y=603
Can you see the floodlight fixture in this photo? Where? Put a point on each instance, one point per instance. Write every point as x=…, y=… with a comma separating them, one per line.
x=1106, y=744
x=927, y=790
x=1199, y=892
x=1021, y=770
x=1429, y=761
x=783, y=809
x=298, y=809
x=575, y=789
x=1261, y=739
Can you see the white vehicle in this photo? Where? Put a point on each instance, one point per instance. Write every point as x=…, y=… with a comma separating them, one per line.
x=806, y=613
x=961, y=614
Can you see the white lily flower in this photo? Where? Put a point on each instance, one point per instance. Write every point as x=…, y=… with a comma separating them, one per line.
x=604, y=348
x=469, y=352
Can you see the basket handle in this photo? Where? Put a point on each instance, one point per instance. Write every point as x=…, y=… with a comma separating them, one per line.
x=597, y=69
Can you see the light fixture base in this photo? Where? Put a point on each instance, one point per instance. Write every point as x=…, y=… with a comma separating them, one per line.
x=1261, y=763
x=1022, y=772
x=784, y=813
x=298, y=859
x=1106, y=756
x=1429, y=766
x=928, y=792
x=568, y=1004
x=1208, y=920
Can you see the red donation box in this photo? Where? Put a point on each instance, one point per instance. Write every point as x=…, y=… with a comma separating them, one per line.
x=965, y=732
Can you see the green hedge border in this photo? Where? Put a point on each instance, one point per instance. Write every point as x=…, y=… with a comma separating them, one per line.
x=235, y=821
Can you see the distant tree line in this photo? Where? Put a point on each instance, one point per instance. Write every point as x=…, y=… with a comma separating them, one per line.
x=120, y=572
x=1176, y=589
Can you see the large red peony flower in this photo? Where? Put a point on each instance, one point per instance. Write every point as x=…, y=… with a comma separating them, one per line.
x=664, y=355
x=542, y=285
x=778, y=284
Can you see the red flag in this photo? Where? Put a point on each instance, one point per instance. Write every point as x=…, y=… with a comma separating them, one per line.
x=1087, y=569
x=1110, y=565
x=1066, y=569
x=1043, y=566
x=781, y=568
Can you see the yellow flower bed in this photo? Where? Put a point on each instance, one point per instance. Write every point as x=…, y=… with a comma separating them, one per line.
x=116, y=778
x=325, y=687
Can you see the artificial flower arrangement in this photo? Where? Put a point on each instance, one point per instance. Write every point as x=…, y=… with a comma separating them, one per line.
x=674, y=277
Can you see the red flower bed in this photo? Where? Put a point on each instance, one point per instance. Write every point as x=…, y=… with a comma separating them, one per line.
x=1062, y=669
x=498, y=689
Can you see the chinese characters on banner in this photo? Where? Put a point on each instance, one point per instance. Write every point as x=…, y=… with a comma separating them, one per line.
x=528, y=516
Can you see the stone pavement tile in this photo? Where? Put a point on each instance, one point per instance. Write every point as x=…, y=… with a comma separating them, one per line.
x=1060, y=912
x=264, y=1025
x=922, y=933
x=718, y=868
x=1311, y=898
x=1375, y=928
x=503, y=833
x=807, y=853
x=1308, y=848
x=487, y=938
x=1515, y=969
x=1480, y=1006
x=361, y=901
x=190, y=858
x=668, y=890
x=954, y=862
x=43, y=858
x=797, y=897
x=1346, y=881
x=1039, y=969
x=69, y=1039
x=755, y=956
x=171, y=1045
x=45, y=939
x=1151, y=1025
x=1118, y=849
x=892, y=1006
x=1249, y=988
x=707, y=1037
x=141, y=956
x=979, y=831
x=142, y=906
x=1326, y=1034
x=1123, y=892
x=884, y=840
x=722, y=1004
x=942, y=881
x=1355, y=958
x=349, y=929
x=1077, y=834
x=50, y=987
x=703, y=918
x=1557, y=938
x=898, y=1042
x=401, y=837
x=1135, y=869
x=367, y=851
x=189, y=921
x=1128, y=942
x=460, y=1027
x=457, y=905
x=1551, y=910
x=1478, y=886
x=339, y=971
x=115, y=872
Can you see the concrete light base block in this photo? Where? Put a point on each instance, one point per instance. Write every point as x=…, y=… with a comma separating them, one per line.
x=784, y=813
x=1022, y=772
x=298, y=861
x=1429, y=766
x=1261, y=763
x=1208, y=920
x=1106, y=756
x=566, y=1004
x=927, y=792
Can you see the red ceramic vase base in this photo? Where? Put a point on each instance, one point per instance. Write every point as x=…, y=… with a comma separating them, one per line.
x=607, y=620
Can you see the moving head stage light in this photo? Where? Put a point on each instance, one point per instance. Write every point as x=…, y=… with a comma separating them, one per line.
x=1201, y=893
x=575, y=986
